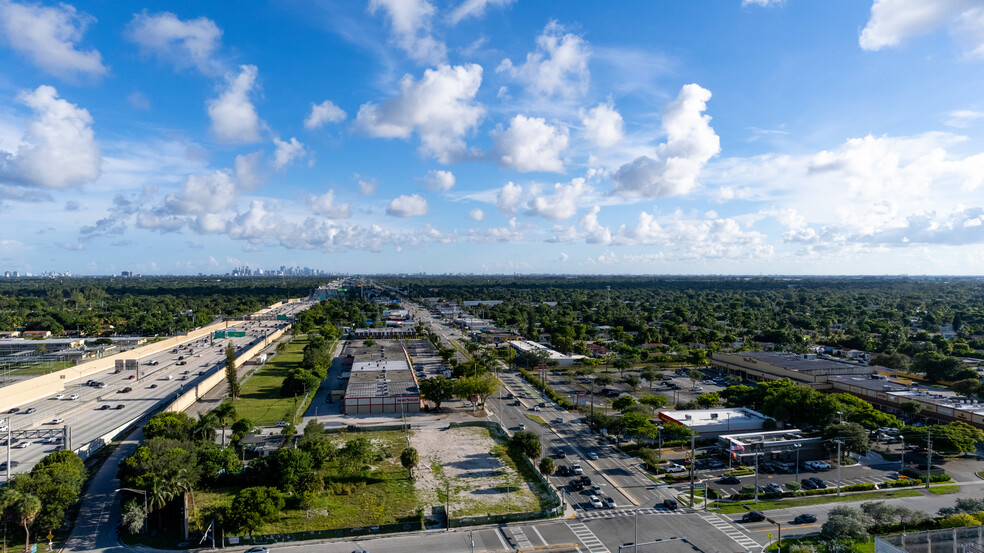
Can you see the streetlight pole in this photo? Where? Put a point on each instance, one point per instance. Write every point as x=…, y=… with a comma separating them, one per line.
x=839, y=444
x=756, y=478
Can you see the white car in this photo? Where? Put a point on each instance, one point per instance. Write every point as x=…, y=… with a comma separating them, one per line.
x=595, y=502
x=593, y=456
x=73, y=396
x=3, y=428
x=696, y=389
x=821, y=465
x=57, y=421
x=576, y=469
x=673, y=467
x=282, y=424
x=60, y=396
x=23, y=445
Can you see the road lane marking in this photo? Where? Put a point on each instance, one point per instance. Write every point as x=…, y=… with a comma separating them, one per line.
x=587, y=537
x=502, y=540
x=729, y=530
x=538, y=534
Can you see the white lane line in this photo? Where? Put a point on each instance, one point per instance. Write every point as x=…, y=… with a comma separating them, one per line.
x=587, y=537
x=539, y=535
x=502, y=540
x=728, y=530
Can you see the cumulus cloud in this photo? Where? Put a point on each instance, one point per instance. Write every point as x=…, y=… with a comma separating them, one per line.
x=439, y=181
x=287, y=151
x=49, y=36
x=530, y=144
x=58, y=149
x=602, y=125
x=963, y=118
x=562, y=204
x=211, y=193
x=325, y=205
x=189, y=43
x=234, y=118
x=476, y=214
x=474, y=8
x=690, y=143
x=440, y=108
x=410, y=21
x=248, y=172
x=559, y=65
x=894, y=21
x=367, y=186
x=509, y=198
x=595, y=233
x=513, y=232
x=407, y=206
x=323, y=113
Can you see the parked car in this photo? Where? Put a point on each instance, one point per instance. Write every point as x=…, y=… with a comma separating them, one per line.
x=773, y=488
x=673, y=467
x=696, y=389
x=804, y=518
x=821, y=465
x=730, y=480
x=609, y=502
x=808, y=484
x=595, y=502
x=766, y=468
x=819, y=483
x=282, y=424
x=670, y=504
x=754, y=516
x=714, y=464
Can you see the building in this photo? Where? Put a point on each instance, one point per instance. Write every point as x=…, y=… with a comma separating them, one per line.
x=715, y=422
x=936, y=404
x=780, y=445
x=803, y=369
x=380, y=381
x=384, y=333
x=526, y=346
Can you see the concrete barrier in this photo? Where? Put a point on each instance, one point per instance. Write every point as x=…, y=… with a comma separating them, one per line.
x=32, y=389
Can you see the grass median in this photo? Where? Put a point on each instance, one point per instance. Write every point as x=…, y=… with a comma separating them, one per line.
x=941, y=490
x=259, y=397
x=766, y=505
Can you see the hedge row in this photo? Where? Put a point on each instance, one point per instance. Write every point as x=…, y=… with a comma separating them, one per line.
x=554, y=396
x=867, y=486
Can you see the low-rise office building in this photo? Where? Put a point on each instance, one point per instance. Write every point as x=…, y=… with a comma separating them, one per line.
x=526, y=346
x=803, y=369
x=715, y=422
x=936, y=404
x=776, y=446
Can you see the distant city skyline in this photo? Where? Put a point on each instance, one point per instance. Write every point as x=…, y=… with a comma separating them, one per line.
x=748, y=137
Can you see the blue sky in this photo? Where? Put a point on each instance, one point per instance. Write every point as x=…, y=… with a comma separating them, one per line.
x=500, y=136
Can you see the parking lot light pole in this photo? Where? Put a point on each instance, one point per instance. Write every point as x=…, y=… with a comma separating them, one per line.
x=797, y=448
x=839, y=444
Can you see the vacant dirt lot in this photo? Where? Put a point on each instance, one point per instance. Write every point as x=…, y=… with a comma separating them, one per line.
x=461, y=461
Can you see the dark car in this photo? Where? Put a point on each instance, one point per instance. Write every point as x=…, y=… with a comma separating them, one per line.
x=670, y=504
x=120, y=406
x=103, y=407
x=563, y=470
x=560, y=454
x=577, y=485
x=766, y=468
x=819, y=483
x=3, y=465
x=804, y=518
x=730, y=480
x=152, y=386
x=14, y=410
x=754, y=516
x=125, y=390
x=808, y=484
x=585, y=480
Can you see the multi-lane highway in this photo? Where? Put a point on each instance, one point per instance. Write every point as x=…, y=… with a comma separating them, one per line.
x=91, y=410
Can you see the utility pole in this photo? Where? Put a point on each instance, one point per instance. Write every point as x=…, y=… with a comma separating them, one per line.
x=797, y=448
x=693, y=465
x=902, y=456
x=635, y=538
x=839, y=443
x=929, y=455
x=756, y=478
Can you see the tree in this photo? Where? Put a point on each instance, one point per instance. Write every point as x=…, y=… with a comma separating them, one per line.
x=546, y=466
x=225, y=413
x=409, y=459
x=241, y=428
x=446, y=354
x=290, y=468
x=846, y=523
x=910, y=409
x=230, y=369
x=853, y=435
x=253, y=506
x=654, y=401
x=623, y=402
x=633, y=381
x=622, y=364
x=695, y=376
x=170, y=425
x=26, y=509
x=134, y=516
x=894, y=360
x=158, y=495
x=526, y=443
x=437, y=390
x=708, y=400
x=604, y=380
x=650, y=375
x=969, y=387
x=476, y=386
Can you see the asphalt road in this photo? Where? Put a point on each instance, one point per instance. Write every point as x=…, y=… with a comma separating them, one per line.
x=86, y=416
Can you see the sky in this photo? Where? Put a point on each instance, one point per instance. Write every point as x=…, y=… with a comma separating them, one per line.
x=493, y=136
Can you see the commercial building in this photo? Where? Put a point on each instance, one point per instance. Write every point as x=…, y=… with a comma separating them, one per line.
x=384, y=333
x=936, y=404
x=803, y=369
x=715, y=422
x=380, y=380
x=779, y=445
x=527, y=346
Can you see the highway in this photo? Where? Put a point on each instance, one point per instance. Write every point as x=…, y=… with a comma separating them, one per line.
x=125, y=396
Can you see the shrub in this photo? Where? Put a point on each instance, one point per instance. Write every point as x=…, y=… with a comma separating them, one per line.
x=793, y=486
x=901, y=483
x=958, y=520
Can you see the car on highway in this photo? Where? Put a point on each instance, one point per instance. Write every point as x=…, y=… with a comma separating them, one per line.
x=258, y=550
x=563, y=470
x=59, y=420
x=754, y=516
x=30, y=410
x=169, y=377
x=593, y=456
x=558, y=420
x=152, y=386
x=153, y=363
x=804, y=519
x=24, y=445
x=120, y=406
x=103, y=407
x=73, y=397
x=576, y=469
x=560, y=453
x=522, y=427
x=124, y=390
x=4, y=428
x=609, y=502
x=595, y=502
x=536, y=409
x=14, y=410
x=585, y=479
x=576, y=485
x=670, y=504
x=596, y=489
x=59, y=396
x=3, y=465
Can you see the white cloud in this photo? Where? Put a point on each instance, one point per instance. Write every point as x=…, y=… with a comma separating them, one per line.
x=325, y=205
x=476, y=214
x=894, y=21
x=48, y=35
x=138, y=100
x=234, y=118
x=690, y=143
x=58, y=149
x=367, y=186
x=509, y=198
x=474, y=8
x=440, y=108
x=248, y=172
x=439, y=181
x=513, y=232
x=212, y=193
x=411, y=25
x=763, y=3
x=562, y=204
x=564, y=234
x=595, y=232
x=190, y=43
x=559, y=64
x=963, y=118
x=325, y=112
x=530, y=144
x=287, y=151
x=407, y=206
x=602, y=125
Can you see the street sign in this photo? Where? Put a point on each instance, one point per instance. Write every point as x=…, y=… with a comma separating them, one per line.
x=698, y=485
x=50, y=536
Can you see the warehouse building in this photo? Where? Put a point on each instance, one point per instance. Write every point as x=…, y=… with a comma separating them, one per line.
x=381, y=380
x=803, y=369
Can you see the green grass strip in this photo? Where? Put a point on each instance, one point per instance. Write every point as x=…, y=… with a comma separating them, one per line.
x=940, y=490
x=537, y=418
x=766, y=505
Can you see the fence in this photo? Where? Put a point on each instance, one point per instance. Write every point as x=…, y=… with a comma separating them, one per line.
x=266, y=539
x=950, y=540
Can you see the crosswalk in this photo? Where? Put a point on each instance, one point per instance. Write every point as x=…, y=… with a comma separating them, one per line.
x=517, y=536
x=730, y=531
x=646, y=511
x=587, y=537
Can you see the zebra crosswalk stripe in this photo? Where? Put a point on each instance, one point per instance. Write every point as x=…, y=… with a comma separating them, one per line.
x=587, y=537
x=728, y=530
x=594, y=515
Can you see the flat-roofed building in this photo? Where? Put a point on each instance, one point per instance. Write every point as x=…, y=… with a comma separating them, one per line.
x=527, y=346
x=777, y=445
x=803, y=369
x=936, y=404
x=380, y=380
x=715, y=422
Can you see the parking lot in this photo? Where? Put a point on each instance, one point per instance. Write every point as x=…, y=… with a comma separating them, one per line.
x=851, y=474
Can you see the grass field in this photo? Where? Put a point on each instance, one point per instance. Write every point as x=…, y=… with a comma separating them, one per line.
x=42, y=368
x=260, y=399
x=940, y=490
x=815, y=500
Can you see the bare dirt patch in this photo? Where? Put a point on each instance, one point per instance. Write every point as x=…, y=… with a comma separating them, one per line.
x=460, y=462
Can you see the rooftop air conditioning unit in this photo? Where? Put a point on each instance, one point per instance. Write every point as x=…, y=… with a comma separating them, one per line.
x=687, y=417
x=714, y=416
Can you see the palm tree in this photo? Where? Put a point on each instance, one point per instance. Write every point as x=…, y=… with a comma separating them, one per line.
x=27, y=509
x=159, y=494
x=226, y=413
x=181, y=482
x=204, y=430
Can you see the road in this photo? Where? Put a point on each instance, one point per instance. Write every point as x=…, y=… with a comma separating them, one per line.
x=98, y=410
